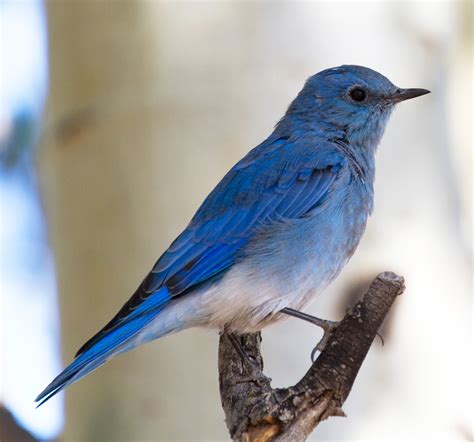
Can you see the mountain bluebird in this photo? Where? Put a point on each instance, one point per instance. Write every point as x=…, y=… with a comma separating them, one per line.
x=274, y=232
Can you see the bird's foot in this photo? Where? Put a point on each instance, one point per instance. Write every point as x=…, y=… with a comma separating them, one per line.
x=327, y=326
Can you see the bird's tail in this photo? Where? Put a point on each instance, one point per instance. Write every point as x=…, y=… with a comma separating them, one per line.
x=117, y=340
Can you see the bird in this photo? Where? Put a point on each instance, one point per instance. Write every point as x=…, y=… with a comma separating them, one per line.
x=274, y=232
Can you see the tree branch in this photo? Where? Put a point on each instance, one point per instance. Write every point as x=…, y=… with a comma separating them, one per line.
x=256, y=412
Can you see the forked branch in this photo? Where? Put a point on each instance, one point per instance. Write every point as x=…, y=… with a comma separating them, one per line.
x=256, y=412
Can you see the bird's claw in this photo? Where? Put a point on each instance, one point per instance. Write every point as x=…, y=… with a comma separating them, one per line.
x=328, y=328
x=326, y=325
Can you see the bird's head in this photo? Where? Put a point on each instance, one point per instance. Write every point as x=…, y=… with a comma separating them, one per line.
x=353, y=100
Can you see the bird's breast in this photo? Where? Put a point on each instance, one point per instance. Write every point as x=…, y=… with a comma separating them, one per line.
x=287, y=263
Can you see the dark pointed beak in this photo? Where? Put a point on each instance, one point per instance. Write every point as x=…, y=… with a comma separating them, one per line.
x=407, y=94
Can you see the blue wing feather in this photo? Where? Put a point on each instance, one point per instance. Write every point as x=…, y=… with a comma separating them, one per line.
x=265, y=185
x=275, y=180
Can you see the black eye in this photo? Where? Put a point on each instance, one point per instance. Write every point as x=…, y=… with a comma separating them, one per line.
x=358, y=94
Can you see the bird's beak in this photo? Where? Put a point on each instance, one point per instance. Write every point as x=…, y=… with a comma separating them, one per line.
x=406, y=94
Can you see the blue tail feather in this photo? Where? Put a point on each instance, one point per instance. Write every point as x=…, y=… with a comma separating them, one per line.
x=114, y=342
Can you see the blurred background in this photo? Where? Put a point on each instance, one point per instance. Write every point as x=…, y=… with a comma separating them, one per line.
x=117, y=117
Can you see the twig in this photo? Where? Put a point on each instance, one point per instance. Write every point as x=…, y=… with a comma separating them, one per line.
x=256, y=412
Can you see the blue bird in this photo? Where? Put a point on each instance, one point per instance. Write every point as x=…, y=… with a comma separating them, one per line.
x=274, y=232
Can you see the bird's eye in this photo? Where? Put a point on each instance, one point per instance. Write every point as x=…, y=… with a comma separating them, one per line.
x=358, y=94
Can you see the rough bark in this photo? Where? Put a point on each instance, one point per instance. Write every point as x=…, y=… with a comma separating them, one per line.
x=256, y=412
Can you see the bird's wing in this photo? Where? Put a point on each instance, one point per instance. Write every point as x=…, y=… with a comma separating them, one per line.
x=274, y=181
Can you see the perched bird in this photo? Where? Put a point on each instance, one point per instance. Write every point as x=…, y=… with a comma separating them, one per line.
x=274, y=232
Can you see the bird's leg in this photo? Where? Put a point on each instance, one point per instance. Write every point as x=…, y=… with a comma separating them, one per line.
x=327, y=326
x=238, y=348
x=247, y=361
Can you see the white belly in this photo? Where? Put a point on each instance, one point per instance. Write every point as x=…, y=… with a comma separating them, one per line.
x=285, y=267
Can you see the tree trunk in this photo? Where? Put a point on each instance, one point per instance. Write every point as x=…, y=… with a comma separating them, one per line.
x=118, y=187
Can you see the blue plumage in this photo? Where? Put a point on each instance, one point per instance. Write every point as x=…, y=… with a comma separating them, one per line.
x=274, y=232
x=112, y=342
